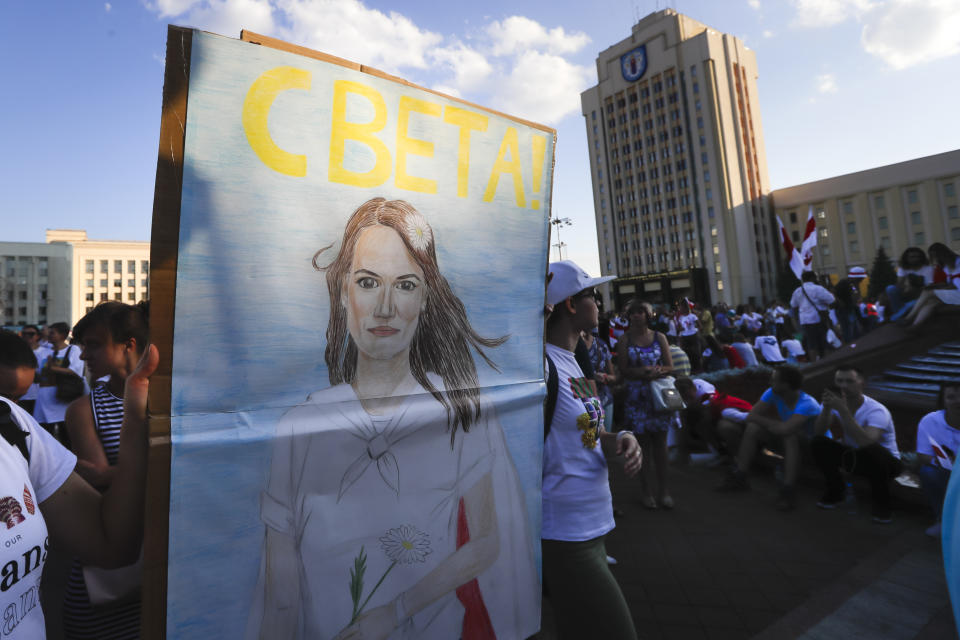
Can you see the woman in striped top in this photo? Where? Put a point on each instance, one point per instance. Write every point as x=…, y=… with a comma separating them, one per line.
x=113, y=337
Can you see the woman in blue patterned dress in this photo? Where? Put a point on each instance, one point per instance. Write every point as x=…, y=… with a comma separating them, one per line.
x=113, y=337
x=602, y=362
x=644, y=355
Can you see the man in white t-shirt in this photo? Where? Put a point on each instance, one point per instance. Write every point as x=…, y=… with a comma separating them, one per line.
x=809, y=299
x=769, y=348
x=938, y=438
x=867, y=446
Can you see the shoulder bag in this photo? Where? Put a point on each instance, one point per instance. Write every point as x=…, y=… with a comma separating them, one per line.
x=69, y=385
x=666, y=398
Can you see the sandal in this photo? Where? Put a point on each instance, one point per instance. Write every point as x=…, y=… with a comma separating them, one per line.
x=648, y=503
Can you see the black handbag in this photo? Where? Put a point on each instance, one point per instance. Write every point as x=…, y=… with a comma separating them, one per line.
x=69, y=385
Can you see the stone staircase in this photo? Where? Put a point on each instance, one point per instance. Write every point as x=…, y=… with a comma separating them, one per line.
x=916, y=381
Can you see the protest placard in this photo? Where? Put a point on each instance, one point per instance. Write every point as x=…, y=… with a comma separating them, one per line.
x=348, y=276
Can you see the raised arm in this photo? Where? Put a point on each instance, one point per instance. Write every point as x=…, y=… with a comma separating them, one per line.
x=107, y=530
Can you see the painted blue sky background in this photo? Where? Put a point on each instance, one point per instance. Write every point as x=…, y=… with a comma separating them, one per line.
x=844, y=85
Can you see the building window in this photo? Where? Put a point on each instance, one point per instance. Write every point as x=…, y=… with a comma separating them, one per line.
x=90, y=282
x=952, y=212
x=920, y=238
x=710, y=213
x=88, y=266
x=912, y=196
x=89, y=297
x=118, y=283
x=851, y=227
x=89, y=309
x=948, y=189
x=143, y=282
x=23, y=311
x=882, y=222
x=709, y=194
x=848, y=206
x=955, y=233
x=144, y=266
x=795, y=235
x=103, y=283
x=915, y=217
x=131, y=296
x=825, y=249
x=118, y=266
x=878, y=202
x=793, y=217
x=821, y=213
x=719, y=285
x=104, y=266
x=132, y=282
x=103, y=297
x=22, y=295
x=854, y=246
x=885, y=242
x=824, y=232
x=706, y=176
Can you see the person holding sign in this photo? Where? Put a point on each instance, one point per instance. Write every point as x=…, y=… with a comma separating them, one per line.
x=393, y=507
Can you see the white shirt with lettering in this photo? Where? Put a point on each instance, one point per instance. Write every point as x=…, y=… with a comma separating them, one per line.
x=769, y=348
x=23, y=532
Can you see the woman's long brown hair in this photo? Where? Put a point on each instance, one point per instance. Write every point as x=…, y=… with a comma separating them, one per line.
x=443, y=338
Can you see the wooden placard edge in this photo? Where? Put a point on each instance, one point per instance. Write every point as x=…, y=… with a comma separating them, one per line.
x=281, y=45
x=164, y=245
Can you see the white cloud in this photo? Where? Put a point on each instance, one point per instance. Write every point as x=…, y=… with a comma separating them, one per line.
x=469, y=67
x=904, y=33
x=541, y=87
x=826, y=83
x=229, y=17
x=170, y=8
x=107, y=6
x=767, y=33
x=347, y=28
x=754, y=4
x=515, y=65
x=517, y=33
x=826, y=13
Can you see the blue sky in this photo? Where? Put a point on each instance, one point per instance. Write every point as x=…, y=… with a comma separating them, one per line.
x=844, y=85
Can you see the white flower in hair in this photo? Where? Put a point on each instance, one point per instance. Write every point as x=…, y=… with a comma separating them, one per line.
x=419, y=234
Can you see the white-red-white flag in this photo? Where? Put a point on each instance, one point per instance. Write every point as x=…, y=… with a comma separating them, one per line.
x=796, y=263
x=809, y=241
x=942, y=454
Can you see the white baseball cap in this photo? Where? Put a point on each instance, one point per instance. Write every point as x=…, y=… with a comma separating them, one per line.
x=569, y=280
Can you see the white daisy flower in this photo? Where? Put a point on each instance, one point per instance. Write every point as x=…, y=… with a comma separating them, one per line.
x=419, y=233
x=406, y=544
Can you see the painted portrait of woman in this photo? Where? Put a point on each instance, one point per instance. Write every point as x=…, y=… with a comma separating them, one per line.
x=393, y=508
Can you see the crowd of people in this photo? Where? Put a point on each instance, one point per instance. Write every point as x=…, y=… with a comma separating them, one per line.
x=633, y=385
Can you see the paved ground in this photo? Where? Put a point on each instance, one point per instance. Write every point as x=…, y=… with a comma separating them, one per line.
x=731, y=566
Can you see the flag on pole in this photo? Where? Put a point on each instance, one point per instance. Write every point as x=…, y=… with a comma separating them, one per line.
x=796, y=263
x=809, y=241
x=942, y=454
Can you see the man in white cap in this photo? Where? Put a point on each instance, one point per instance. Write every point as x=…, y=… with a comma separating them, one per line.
x=577, y=505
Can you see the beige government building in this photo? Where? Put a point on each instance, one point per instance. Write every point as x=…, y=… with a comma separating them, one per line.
x=680, y=183
x=908, y=204
x=64, y=278
x=682, y=198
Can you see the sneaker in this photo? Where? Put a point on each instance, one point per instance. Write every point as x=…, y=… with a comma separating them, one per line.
x=830, y=501
x=735, y=481
x=611, y=560
x=666, y=502
x=882, y=518
x=787, y=500
x=933, y=531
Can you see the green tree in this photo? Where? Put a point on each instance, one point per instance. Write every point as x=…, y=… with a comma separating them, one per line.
x=882, y=274
x=787, y=283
